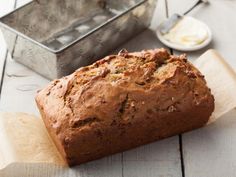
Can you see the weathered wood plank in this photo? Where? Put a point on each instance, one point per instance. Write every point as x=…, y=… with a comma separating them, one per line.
x=18, y=91
x=19, y=88
x=158, y=159
x=210, y=151
x=3, y=53
x=162, y=158
x=5, y=7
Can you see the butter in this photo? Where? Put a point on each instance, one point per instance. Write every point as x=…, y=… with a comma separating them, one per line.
x=187, y=32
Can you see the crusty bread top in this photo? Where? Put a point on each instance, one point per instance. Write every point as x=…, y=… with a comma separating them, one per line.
x=123, y=88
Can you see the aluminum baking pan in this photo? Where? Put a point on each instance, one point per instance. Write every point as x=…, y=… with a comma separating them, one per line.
x=55, y=37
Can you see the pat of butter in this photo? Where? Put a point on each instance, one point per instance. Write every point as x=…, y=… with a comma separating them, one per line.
x=188, y=32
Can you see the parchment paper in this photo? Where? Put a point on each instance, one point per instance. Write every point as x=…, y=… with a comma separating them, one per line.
x=25, y=141
x=24, y=138
x=221, y=78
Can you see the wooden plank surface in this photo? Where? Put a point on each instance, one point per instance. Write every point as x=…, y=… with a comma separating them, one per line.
x=18, y=91
x=3, y=54
x=160, y=159
x=210, y=151
x=207, y=152
x=5, y=7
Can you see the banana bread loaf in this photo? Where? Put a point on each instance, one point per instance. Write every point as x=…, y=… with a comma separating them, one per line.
x=123, y=101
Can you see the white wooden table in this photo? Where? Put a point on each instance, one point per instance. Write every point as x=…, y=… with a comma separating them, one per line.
x=206, y=152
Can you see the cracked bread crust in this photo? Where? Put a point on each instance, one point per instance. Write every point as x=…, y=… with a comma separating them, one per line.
x=123, y=101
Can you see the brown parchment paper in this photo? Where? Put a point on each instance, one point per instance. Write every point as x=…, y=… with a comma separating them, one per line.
x=25, y=141
x=24, y=138
x=221, y=78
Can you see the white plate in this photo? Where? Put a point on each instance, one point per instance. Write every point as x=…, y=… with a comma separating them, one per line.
x=186, y=48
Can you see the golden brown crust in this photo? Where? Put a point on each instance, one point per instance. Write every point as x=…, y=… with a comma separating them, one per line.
x=124, y=101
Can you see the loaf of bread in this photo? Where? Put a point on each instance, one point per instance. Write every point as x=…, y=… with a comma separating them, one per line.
x=124, y=101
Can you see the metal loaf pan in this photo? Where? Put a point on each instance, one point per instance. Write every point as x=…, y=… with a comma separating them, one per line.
x=54, y=38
